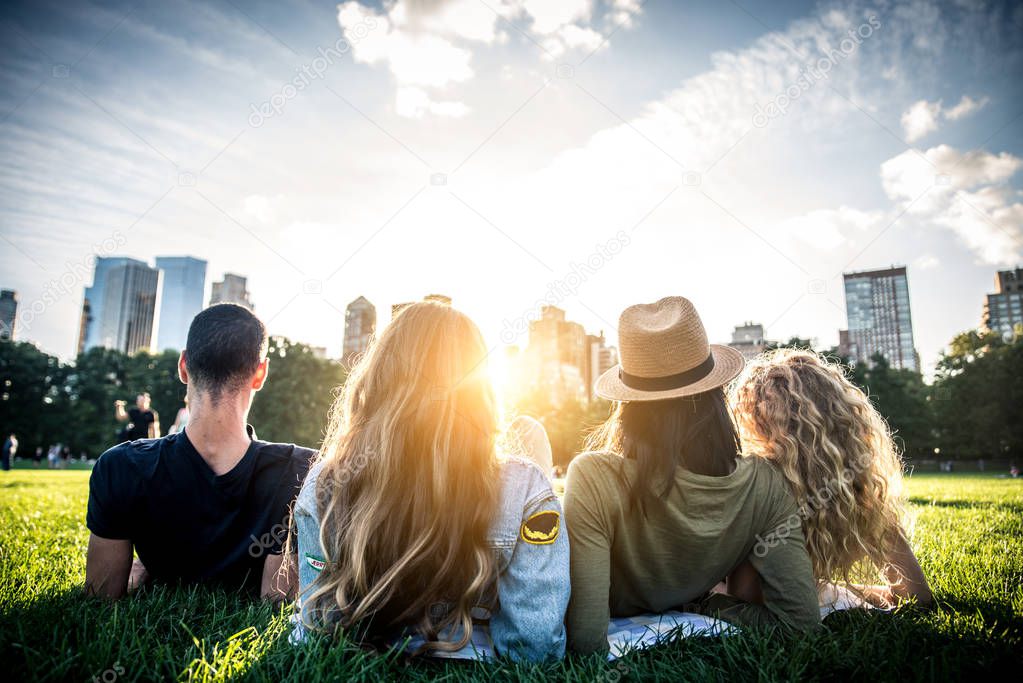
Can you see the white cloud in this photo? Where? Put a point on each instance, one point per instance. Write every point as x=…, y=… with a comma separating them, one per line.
x=413, y=103
x=922, y=117
x=926, y=262
x=967, y=193
x=944, y=170
x=415, y=58
x=624, y=12
x=431, y=44
x=827, y=229
x=966, y=106
x=550, y=16
x=469, y=19
x=259, y=207
x=572, y=37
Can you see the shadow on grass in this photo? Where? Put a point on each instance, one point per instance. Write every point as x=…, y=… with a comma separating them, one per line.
x=68, y=635
x=208, y=634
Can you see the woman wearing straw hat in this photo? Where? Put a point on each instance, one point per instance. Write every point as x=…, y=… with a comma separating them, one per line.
x=664, y=507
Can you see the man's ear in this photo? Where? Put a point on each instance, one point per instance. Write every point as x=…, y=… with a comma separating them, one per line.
x=262, y=370
x=182, y=369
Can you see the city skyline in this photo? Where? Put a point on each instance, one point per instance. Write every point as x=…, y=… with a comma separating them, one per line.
x=586, y=155
x=1000, y=312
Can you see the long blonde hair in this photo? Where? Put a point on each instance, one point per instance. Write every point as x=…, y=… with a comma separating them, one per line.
x=800, y=411
x=410, y=483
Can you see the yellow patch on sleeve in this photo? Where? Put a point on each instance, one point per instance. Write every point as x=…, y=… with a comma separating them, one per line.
x=541, y=528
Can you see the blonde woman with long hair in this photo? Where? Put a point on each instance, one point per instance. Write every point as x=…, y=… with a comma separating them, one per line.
x=409, y=525
x=836, y=452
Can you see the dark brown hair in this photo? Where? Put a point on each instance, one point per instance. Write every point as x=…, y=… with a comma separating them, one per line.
x=694, y=432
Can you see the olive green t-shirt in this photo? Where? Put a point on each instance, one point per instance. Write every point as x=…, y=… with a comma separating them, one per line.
x=624, y=564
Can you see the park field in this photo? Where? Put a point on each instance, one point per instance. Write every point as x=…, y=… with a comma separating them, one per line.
x=968, y=536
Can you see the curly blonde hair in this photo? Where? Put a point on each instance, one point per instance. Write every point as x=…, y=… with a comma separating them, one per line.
x=802, y=413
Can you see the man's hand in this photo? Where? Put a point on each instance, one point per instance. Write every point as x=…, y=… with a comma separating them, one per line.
x=108, y=567
x=280, y=578
x=138, y=577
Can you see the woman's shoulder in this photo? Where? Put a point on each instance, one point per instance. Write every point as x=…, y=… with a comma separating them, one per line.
x=768, y=479
x=523, y=479
x=306, y=500
x=591, y=464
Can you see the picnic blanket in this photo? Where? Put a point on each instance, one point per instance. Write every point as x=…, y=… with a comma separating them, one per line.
x=623, y=634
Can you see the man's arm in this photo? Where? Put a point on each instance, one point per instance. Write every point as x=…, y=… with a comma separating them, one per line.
x=280, y=578
x=107, y=567
x=154, y=426
x=120, y=414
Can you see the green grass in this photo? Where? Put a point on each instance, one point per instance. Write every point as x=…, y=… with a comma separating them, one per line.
x=969, y=537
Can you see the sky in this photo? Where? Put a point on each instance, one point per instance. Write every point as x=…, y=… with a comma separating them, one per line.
x=590, y=154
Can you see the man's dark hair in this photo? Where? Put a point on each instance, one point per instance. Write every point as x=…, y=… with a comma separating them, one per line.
x=226, y=343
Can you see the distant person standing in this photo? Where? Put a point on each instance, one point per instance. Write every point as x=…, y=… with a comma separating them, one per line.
x=181, y=420
x=143, y=422
x=53, y=456
x=37, y=457
x=9, y=451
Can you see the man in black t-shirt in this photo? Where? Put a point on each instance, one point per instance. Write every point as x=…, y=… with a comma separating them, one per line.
x=143, y=422
x=211, y=503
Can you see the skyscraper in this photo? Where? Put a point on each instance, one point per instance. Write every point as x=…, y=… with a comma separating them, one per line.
x=232, y=290
x=558, y=355
x=1003, y=310
x=601, y=358
x=119, y=308
x=8, y=313
x=877, y=306
x=184, y=286
x=360, y=325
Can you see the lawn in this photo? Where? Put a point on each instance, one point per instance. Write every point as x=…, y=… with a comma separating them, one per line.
x=969, y=537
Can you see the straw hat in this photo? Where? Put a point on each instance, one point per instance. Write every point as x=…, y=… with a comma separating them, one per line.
x=664, y=354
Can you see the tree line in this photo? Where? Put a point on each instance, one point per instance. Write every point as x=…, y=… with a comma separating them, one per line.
x=44, y=401
x=972, y=409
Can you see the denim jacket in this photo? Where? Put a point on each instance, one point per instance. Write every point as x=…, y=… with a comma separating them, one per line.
x=530, y=544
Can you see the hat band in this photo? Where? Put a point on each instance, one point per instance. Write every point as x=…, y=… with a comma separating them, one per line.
x=670, y=381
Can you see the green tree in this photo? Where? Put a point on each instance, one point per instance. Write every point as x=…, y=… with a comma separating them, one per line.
x=294, y=405
x=978, y=396
x=567, y=424
x=903, y=399
x=33, y=400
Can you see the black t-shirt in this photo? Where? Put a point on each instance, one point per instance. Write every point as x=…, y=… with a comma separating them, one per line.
x=187, y=523
x=138, y=424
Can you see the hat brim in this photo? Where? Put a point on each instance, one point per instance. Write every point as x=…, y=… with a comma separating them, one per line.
x=728, y=363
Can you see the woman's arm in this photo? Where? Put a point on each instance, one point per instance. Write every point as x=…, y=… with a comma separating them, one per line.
x=903, y=572
x=589, y=609
x=905, y=577
x=529, y=623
